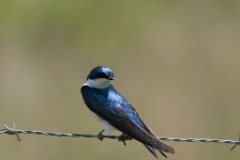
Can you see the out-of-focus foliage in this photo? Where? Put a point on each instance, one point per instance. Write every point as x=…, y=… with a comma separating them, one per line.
x=177, y=62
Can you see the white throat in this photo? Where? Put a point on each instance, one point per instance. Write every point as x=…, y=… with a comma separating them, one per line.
x=98, y=83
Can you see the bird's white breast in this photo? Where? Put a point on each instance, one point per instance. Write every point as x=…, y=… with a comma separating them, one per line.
x=108, y=128
x=98, y=83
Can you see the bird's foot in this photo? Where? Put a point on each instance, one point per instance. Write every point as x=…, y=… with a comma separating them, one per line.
x=123, y=137
x=100, y=136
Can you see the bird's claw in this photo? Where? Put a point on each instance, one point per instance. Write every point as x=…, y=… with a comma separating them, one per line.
x=123, y=137
x=100, y=136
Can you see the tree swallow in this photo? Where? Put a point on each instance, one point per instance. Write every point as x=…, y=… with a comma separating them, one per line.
x=113, y=111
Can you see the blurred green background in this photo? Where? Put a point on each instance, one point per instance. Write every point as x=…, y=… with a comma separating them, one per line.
x=177, y=62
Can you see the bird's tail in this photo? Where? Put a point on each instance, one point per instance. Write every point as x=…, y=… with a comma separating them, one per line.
x=162, y=148
x=152, y=150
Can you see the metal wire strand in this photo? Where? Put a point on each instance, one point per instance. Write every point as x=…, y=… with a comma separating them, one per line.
x=14, y=131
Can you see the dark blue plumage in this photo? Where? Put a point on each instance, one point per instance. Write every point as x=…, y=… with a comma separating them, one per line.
x=101, y=72
x=108, y=104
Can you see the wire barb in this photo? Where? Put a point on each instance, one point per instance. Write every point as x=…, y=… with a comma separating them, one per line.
x=14, y=131
x=236, y=143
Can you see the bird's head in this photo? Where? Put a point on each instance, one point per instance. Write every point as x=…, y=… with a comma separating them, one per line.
x=100, y=77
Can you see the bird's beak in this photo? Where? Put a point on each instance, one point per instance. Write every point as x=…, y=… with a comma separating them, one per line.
x=111, y=78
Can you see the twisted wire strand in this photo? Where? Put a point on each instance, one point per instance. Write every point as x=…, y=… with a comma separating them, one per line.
x=14, y=131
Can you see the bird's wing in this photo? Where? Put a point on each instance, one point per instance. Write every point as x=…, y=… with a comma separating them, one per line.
x=114, y=113
x=131, y=112
x=117, y=117
x=137, y=119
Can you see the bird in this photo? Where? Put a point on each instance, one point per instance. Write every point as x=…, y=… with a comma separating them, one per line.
x=113, y=111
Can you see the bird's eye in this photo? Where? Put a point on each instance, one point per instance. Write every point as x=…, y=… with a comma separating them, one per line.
x=102, y=75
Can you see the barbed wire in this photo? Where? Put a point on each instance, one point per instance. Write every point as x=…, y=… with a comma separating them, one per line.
x=14, y=131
